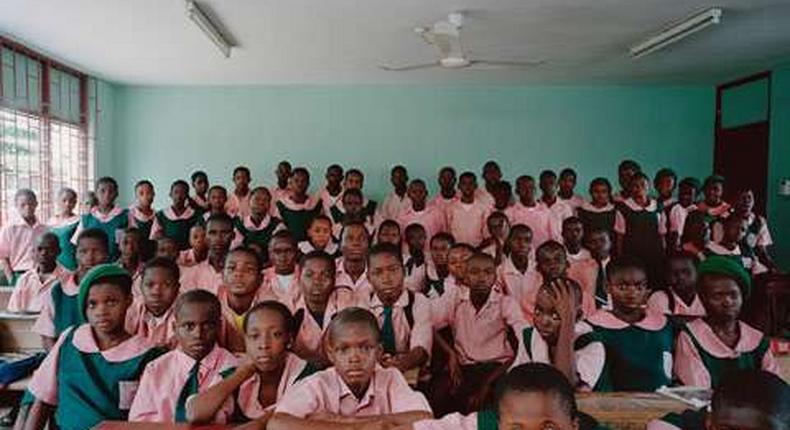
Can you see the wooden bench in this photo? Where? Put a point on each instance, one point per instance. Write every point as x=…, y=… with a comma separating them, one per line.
x=16, y=333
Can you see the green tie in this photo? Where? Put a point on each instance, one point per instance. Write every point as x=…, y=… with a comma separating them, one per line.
x=190, y=388
x=601, y=297
x=388, y=332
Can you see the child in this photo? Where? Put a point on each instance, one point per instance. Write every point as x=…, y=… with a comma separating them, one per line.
x=64, y=223
x=331, y=193
x=495, y=244
x=664, y=183
x=561, y=338
x=591, y=273
x=414, y=260
x=351, y=267
x=91, y=373
x=355, y=180
x=284, y=174
x=640, y=228
x=528, y=212
x=517, y=275
x=457, y=255
x=34, y=285
x=558, y=209
x=356, y=390
x=319, y=237
x=625, y=172
x=572, y=236
x=677, y=213
x=758, y=237
x=89, y=202
x=208, y=274
x=297, y=208
x=466, y=217
x=404, y=316
x=430, y=217
x=199, y=200
x=447, y=191
x=195, y=365
x=280, y=281
x=638, y=341
x=599, y=212
x=389, y=232
x=59, y=309
x=257, y=228
x=679, y=298
x=176, y=221
x=151, y=315
x=696, y=234
x=167, y=248
x=492, y=175
x=198, y=247
x=503, y=196
x=241, y=279
x=713, y=205
x=398, y=200
x=217, y=201
x=730, y=245
x=239, y=200
x=566, y=194
x=482, y=321
x=352, y=208
x=18, y=238
x=437, y=268
x=130, y=259
x=267, y=371
x=552, y=263
x=106, y=216
x=719, y=342
x=142, y=214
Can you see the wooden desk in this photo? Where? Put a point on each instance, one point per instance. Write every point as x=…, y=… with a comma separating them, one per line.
x=121, y=425
x=627, y=411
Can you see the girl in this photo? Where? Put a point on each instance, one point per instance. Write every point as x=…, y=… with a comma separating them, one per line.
x=241, y=279
x=389, y=232
x=679, y=211
x=599, y=212
x=696, y=234
x=176, y=221
x=664, y=183
x=64, y=224
x=199, y=200
x=152, y=315
x=131, y=260
x=625, y=172
x=297, y=208
x=217, y=201
x=498, y=231
x=679, y=298
x=758, y=237
x=142, y=214
x=414, y=261
x=198, y=247
x=238, y=203
x=437, y=269
x=352, y=208
x=106, y=216
x=331, y=193
x=280, y=281
x=319, y=237
x=734, y=230
x=713, y=206
x=257, y=228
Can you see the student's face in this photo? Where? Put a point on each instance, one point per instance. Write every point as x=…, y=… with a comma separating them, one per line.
x=686, y=195
x=282, y=253
x=600, y=194
x=600, y=244
x=241, y=179
x=219, y=236
x=492, y=174
x=389, y=234
x=525, y=189
x=130, y=245
x=26, y=206
x=456, y=263
x=299, y=183
x=283, y=172
x=572, y=233
x=47, y=250
x=745, y=202
x=415, y=239
x=520, y=242
x=480, y=275
x=196, y=328
x=665, y=186
x=354, y=243
x=334, y=176
x=547, y=320
x=90, y=202
x=266, y=339
x=696, y=231
x=551, y=264
x=385, y=273
x=714, y=193
x=534, y=411
x=91, y=252
x=624, y=176
x=200, y=184
x=498, y=227
x=217, y=199
x=501, y=198
x=66, y=203
x=742, y=418
x=439, y=251
x=260, y=203
x=734, y=230
x=317, y=280
x=639, y=188
x=447, y=179
x=467, y=185
x=320, y=233
x=567, y=184
x=105, y=307
x=399, y=178
x=354, y=351
x=106, y=194
x=548, y=185
x=417, y=193
x=160, y=289
x=241, y=274
x=145, y=195
x=628, y=289
x=167, y=248
x=682, y=274
x=353, y=182
x=178, y=195
x=721, y=297
x=197, y=238
x=352, y=204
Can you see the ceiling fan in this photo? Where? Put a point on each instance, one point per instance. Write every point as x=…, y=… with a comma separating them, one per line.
x=445, y=35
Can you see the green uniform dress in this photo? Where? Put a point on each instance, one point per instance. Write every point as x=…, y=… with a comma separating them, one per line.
x=298, y=220
x=111, y=227
x=488, y=419
x=259, y=237
x=66, y=311
x=642, y=240
x=67, y=257
x=178, y=229
x=579, y=343
x=593, y=220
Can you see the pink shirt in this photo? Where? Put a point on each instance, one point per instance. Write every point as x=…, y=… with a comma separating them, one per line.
x=44, y=384
x=414, y=276
x=560, y=211
x=239, y=206
x=328, y=200
x=585, y=272
x=169, y=213
x=522, y=287
x=454, y=421
x=689, y=366
x=480, y=336
x=659, y=302
x=18, y=243
x=393, y=205
x=165, y=377
x=307, y=343
x=31, y=289
x=158, y=330
x=283, y=288
x=45, y=325
x=247, y=398
x=407, y=336
x=658, y=424
x=431, y=218
x=467, y=221
x=231, y=335
x=360, y=286
x=201, y=275
x=326, y=392
x=677, y=217
x=186, y=258
x=575, y=201
x=442, y=203
x=538, y=218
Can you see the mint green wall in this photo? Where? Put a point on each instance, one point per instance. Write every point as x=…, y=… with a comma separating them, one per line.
x=745, y=104
x=164, y=133
x=779, y=165
x=102, y=102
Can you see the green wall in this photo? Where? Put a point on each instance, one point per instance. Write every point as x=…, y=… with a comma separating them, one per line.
x=779, y=165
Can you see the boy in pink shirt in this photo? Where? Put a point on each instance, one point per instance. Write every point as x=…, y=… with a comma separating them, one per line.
x=34, y=284
x=331, y=193
x=527, y=211
x=196, y=364
x=430, y=217
x=498, y=229
x=559, y=210
x=198, y=248
x=414, y=259
x=447, y=191
x=18, y=238
x=208, y=274
x=356, y=390
x=152, y=315
x=517, y=275
x=466, y=217
x=240, y=291
x=352, y=265
x=397, y=201
x=280, y=281
x=239, y=200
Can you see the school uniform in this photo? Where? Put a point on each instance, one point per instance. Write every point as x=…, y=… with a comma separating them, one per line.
x=441, y=203
x=18, y=244
x=310, y=327
x=482, y=195
x=332, y=248
x=591, y=277
x=582, y=255
x=282, y=288
x=714, y=213
x=199, y=203
x=745, y=258
x=537, y=218
x=231, y=332
x=467, y=221
x=87, y=385
x=137, y=278
x=342, y=278
x=141, y=221
x=560, y=211
x=113, y=223
x=326, y=392
x=247, y=404
x=186, y=258
x=405, y=325
x=431, y=218
x=338, y=215
x=238, y=205
x=169, y=224
x=59, y=309
x=435, y=285
x=171, y=379
x=327, y=199
x=201, y=275
x=638, y=355
x=643, y=229
x=248, y=233
x=159, y=331
x=668, y=303
x=665, y=204
x=393, y=205
x=575, y=201
x=588, y=350
x=32, y=287
x=297, y=216
x=414, y=274
x=521, y=286
x=702, y=359
x=597, y=218
x=677, y=215
x=64, y=229
x=277, y=195
x=757, y=233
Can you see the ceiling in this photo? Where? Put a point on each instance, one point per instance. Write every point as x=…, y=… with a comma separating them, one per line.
x=152, y=42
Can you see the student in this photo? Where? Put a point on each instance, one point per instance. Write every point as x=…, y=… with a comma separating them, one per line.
x=59, y=309
x=207, y=275
x=491, y=175
x=351, y=267
x=437, y=268
x=64, y=223
x=241, y=279
x=91, y=373
x=389, y=232
x=591, y=273
x=199, y=200
x=196, y=364
x=746, y=399
x=356, y=392
x=560, y=337
x=34, y=285
x=709, y=347
x=640, y=228
x=430, y=217
x=264, y=375
x=217, y=201
x=664, y=183
x=89, y=202
x=713, y=204
x=297, y=208
x=238, y=203
x=167, y=248
x=457, y=255
x=319, y=237
x=130, y=259
x=567, y=183
x=355, y=180
x=414, y=261
x=281, y=280
x=398, y=200
x=639, y=342
x=625, y=172
x=466, y=217
x=527, y=211
x=572, y=237
x=552, y=263
x=679, y=298
x=447, y=191
x=679, y=211
x=696, y=234
x=517, y=275
x=558, y=209
x=495, y=244
x=284, y=173
x=258, y=227
x=107, y=216
x=142, y=214
x=734, y=232
x=599, y=212
x=152, y=315
x=351, y=209
x=331, y=193
x=482, y=320
x=757, y=238
x=18, y=237
x=176, y=220
x=198, y=247
x=503, y=196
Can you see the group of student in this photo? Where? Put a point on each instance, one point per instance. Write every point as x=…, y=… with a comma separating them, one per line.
x=285, y=310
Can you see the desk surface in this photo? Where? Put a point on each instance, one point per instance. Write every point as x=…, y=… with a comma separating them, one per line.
x=120, y=425
x=626, y=411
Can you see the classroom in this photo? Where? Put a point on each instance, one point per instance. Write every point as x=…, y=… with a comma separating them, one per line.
x=394, y=214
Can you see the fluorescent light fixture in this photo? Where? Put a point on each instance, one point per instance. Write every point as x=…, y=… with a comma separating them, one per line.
x=209, y=28
x=677, y=32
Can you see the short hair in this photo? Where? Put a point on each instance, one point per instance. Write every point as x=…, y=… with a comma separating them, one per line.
x=491, y=164
x=284, y=163
x=690, y=182
x=713, y=180
x=600, y=181
x=179, y=182
x=335, y=167
x=681, y=256
x=135, y=232
x=629, y=165
x=284, y=235
x=352, y=192
x=755, y=389
x=568, y=172
x=249, y=251
x=318, y=254
x=197, y=175
x=503, y=186
x=143, y=182
x=384, y=249
x=539, y=378
x=640, y=175
x=109, y=180
x=548, y=247
x=25, y=192
x=198, y=296
x=450, y=169
x=96, y=234
x=398, y=167
x=220, y=218
x=67, y=190
x=243, y=169
x=464, y=246
x=547, y=286
x=571, y=220
x=218, y=188
x=389, y=223
x=412, y=227
x=163, y=263
x=478, y=255
x=518, y=227
x=665, y=172
x=264, y=190
x=354, y=223
x=546, y=174
x=50, y=236
x=415, y=182
x=447, y=237
x=300, y=171
x=498, y=214
x=523, y=178
x=354, y=171
x=353, y=315
x=622, y=263
x=271, y=305
x=319, y=217
x=469, y=175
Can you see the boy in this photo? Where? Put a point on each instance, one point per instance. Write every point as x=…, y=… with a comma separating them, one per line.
x=352, y=265
x=175, y=221
x=528, y=212
x=625, y=172
x=330, y=194
x=517, y=275
x=240, y=291
x=238, y=203
x=208, y=274
x=283, y=174
x=197, y=363
x=548, y=199
x=199, y=200
x=297, y=208
x=430, y=217
x=677, y=213
x=498, y=229
x=106, y=216
x=492, y=175
x=679, y=298
x=437, y=268
x=34, y=285
x=447, y=191
x=591, y=273
x=217, y=201
x=355, y=391
x=566, y=194
x=466, y=217
x=64, y=223
x=414, y=260
x=166, y=248
x=18, y=238
x=398, y=200
x=151, y=315
x=280, y=281
x=572, y=235
x=552, y=263
x=503, y=196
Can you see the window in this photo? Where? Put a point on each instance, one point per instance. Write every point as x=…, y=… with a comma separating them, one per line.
x=44, y=139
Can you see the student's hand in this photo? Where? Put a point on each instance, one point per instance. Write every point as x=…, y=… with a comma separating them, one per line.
x=386, y=360
x=401, y=362
x=246, y=367
x=565, y=302
x=258, y=423
x=454, y=371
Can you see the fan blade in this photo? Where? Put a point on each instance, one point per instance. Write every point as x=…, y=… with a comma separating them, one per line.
x=408, y=67
x=504, y=64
